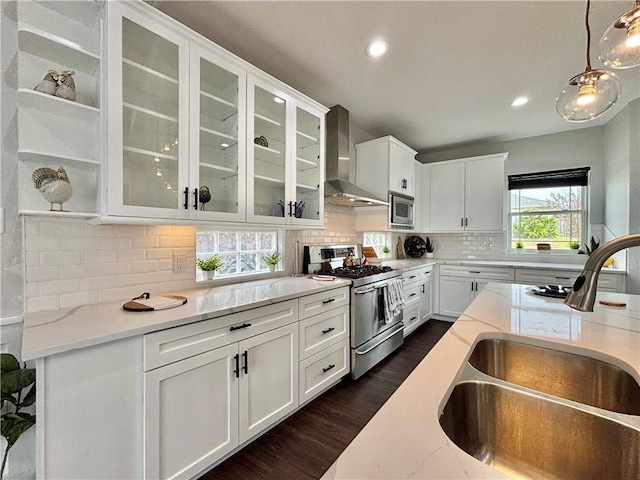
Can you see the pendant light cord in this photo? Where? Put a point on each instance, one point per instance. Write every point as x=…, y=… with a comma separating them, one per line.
x=586, y=22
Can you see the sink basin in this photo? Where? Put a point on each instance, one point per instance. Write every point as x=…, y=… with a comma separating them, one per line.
x=529, y=436
x=573, y=377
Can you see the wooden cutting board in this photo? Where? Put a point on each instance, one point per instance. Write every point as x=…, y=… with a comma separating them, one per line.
x=369, y=252
x=158, y=302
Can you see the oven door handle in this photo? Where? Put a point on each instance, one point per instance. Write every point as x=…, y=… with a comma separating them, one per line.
x=391, y=333
x=363, y=291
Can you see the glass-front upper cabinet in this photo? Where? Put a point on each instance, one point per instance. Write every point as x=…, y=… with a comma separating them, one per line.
x=267, y=157
x=148, y=97
x=309, y=166
x=218, y=139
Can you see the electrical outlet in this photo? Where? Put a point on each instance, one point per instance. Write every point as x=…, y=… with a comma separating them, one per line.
x=179, y=262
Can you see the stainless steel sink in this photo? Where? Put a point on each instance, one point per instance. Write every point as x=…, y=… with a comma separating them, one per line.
x=573, y=377
x=526, y=435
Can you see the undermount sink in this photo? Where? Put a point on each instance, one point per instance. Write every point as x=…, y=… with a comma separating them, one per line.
x=525, y=435
x=567, y=375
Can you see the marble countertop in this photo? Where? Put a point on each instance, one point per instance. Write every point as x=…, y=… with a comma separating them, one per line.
x=404, y=439
x=48, y=333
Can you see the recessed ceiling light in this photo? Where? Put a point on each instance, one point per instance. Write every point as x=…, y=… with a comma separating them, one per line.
x=224, y=145
x=377, y=48
x=519, y=101
x=278, y=100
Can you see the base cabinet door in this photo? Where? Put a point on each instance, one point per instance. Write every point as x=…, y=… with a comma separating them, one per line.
x=426, y=300
x=455, y=295
x=191, y=414
x=269, y=379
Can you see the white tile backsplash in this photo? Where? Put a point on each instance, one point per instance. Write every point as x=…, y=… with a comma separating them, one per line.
x=71, y=263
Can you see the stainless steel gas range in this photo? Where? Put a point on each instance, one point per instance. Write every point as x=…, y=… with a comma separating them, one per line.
x=373, y=336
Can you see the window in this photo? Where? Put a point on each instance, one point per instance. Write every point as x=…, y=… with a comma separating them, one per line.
x=548, y=207
x=376, y=240
x=240, y=251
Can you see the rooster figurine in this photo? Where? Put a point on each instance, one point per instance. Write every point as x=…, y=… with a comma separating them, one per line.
x=54, y=185
x=204, y=196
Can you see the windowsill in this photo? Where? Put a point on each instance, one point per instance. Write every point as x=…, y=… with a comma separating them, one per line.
x=239, y=278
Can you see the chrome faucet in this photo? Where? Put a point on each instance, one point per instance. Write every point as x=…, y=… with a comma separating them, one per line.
x=583, y=294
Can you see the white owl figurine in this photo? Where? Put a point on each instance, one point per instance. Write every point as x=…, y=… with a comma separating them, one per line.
x=66, y=86
x=54, y=186
x=49, y=84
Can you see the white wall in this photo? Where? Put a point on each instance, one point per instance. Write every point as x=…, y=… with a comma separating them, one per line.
x=577, y=148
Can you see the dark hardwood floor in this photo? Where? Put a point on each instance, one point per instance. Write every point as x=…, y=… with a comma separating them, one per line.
x=306, y=444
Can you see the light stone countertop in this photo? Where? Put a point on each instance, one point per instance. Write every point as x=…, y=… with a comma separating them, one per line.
x=48, y=333
x=404, y=439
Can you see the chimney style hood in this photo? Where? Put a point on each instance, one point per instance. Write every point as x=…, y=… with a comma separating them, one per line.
x=337, y=189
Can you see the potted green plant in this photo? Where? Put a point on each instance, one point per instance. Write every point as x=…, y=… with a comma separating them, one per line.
x=271, y=261
x=386, y=250
x=574, y=246
x=519, y=245
x=14, y=381
x=209, y=265
x=430, y=247
x=593, y=244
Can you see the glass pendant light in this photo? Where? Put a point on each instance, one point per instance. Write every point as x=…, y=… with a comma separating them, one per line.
x=620, y=44
x=589, y=94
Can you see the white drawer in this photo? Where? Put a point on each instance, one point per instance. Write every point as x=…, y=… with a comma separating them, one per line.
x=531, y=276
x=411, y=294
x=173, y=344
x=607, y=282
x=410, y=276
x=319, y=371
x=505, y=274
x=322, y=302
x=322, y=330
x=410, y=318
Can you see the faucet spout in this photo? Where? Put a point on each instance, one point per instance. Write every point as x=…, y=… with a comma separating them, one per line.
x=583, y=294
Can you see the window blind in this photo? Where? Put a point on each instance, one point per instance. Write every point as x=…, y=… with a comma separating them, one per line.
x=572, y=177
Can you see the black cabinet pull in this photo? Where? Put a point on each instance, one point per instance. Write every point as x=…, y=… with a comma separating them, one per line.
x=462, y=222
x=412, y=319
x=290, y=209
x=473, y=271
x=466, y=222
x=472, y=286
x=186, y=198
x=239, y=327
x=328, y=300
x=413, y=295
x=326, y=369
x=422, y=288
x=245, y=358
x=195, y=199
x=412, y=276
x=562, y=278
x=236, y=370
x=330, y=329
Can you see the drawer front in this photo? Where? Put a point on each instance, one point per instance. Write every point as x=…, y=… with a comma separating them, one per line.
x=528, y=276
x=320, y=331
x=490, y=273
x=411, y=318
x=174, y=344
x=411, y=276
x=322, y=369
x=321, y=302
x=546, y=277
x=411, y=294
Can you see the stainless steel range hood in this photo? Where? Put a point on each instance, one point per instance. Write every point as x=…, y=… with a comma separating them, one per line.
x=337, y=189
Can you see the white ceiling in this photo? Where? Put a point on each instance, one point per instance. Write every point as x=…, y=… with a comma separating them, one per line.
x=450, y=73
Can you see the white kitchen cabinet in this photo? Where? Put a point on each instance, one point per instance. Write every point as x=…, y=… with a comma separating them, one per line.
x=417, y=291
x=238, y=374
x=52, y=131
x=426, y=294
x=286, y=160
x=459, y=285
x=421, y=208
x=196, y=134
x=191, y=413
x=467, y=194
x=385, y=164
x=318, y=372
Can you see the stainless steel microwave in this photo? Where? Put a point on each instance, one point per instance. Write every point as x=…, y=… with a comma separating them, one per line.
x=400, y=211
